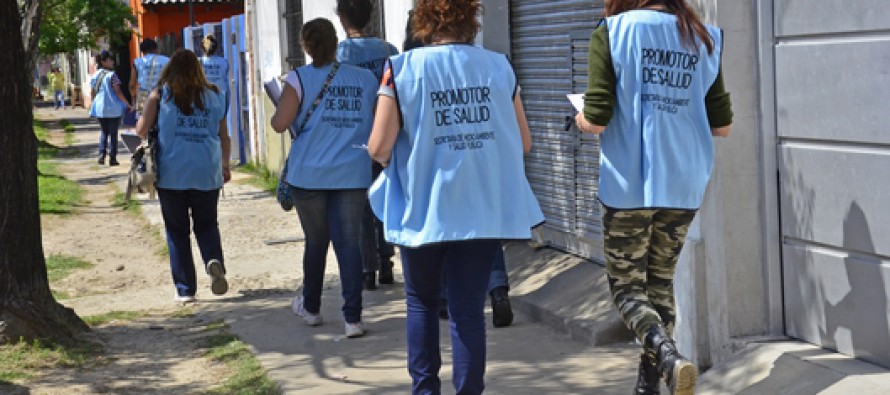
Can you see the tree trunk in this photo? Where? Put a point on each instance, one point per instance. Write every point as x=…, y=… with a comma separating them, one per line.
x=27, y=307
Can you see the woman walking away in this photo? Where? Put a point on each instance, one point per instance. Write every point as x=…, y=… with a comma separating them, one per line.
x=216, y=68
x=108, y=106
x=455, y=184
x=370, y=53
x=329, y=106
x=193, y=164
x=655, y=94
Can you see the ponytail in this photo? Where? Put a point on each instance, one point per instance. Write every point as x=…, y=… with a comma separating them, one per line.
x=209, y=44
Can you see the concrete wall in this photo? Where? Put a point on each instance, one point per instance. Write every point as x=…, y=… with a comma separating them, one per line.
x=722, y=288
x=495, y=34
x=267, y=60
x=395, y=16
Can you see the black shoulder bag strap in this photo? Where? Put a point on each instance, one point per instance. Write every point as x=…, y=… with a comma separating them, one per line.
x=315, y=103
x=99, y=81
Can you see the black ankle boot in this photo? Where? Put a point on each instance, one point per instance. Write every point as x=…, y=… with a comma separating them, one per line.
x=648, y=379
x=501, y=312
x=679, y=373
x=385, y=272
x=369, y=281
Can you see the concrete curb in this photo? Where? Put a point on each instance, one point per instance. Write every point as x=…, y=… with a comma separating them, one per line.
x=565, y=292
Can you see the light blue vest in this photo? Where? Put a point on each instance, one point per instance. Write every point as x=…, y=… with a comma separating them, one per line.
x=106, y=104
x=190, y=154
x=366, y=52
x=216, y=69
x=146, y=79
x=327, y=154
x=657, y=151
x=457, y=170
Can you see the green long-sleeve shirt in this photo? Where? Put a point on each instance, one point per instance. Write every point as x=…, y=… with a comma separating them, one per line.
x=599, y=99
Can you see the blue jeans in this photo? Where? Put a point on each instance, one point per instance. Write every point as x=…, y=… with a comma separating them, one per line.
x=332, y=216
x=109, y=131
x=59, y=98
x=467, y=264
x=179, y=208
x=498, y=276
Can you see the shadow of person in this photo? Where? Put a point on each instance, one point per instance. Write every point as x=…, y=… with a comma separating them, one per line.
x=13, y=389
x=857, y=323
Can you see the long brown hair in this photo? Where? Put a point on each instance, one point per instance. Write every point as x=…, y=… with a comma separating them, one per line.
x=185, y=78
x=688, y=23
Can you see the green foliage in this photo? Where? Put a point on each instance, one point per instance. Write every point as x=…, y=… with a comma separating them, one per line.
x=58, y=195
x=133, y=206
x=60, y=266
x=260, y=176
x=68, y=25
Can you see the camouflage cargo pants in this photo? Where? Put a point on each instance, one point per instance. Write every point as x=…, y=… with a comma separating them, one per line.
x=641, y=249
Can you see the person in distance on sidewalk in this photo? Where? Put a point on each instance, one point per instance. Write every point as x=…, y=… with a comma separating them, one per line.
x=108, y=106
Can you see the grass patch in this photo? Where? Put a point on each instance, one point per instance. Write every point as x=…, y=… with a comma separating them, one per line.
x=40, y=131
x=22, y=360
x=249, y=377
x=60, y=266
x=69, y=131
x=60, y=295
x=133, y=206
x=96, y=320
x=66, y=124
x=260, y=176
x=58, y=195
x=45, y=150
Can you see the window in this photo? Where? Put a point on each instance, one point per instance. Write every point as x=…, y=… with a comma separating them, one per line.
x=293, y=21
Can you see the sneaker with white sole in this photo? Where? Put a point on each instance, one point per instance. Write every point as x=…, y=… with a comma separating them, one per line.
x=300, y=310
x=218, y=283
x=184, y=299
x=355, y=329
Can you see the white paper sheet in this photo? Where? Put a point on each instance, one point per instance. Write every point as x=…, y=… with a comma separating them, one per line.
x=577, y=100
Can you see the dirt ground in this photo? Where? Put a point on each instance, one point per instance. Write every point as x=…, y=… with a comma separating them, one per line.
x=161, y=351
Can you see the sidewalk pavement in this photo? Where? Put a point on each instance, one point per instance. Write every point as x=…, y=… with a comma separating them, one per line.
x=566, y=338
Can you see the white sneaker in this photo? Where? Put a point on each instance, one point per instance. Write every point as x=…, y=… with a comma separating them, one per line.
x=184, y=299
x=218, y=283
x=355, y=329
x=298, y=309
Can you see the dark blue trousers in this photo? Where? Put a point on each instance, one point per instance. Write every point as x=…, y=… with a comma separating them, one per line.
x=467, y=264
x=180, y=208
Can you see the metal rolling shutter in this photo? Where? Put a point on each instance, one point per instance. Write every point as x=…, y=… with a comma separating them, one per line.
x=549, y=52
